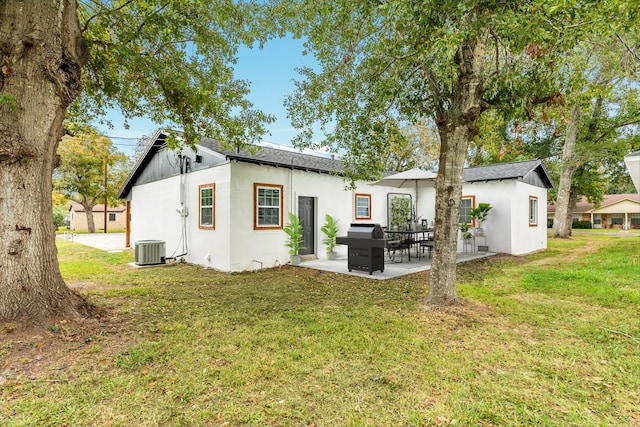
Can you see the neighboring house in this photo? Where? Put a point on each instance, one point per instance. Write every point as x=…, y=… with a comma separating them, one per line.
x=632, y=161
x=77, y=218
x=225, y=209
x=617, y=211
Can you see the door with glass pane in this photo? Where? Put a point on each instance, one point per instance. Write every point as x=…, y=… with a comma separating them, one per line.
x=306, y=213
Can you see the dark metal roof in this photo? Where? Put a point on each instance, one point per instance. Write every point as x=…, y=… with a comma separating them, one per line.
x=278, y=158
x=514, y=170
x=531, y=171
x=257, y=155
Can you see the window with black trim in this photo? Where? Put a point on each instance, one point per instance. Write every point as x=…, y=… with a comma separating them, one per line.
x=268, y=208
x=533, y=211
x=206, y=206
x=112, y=217
x=363, y=206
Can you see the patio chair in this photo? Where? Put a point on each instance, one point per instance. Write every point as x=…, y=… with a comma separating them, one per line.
x=395, y=247
x=427, y=244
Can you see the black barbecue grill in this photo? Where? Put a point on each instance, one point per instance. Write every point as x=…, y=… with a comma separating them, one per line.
x=366, y=247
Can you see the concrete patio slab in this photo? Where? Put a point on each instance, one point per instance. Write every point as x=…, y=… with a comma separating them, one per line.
x=391, y=269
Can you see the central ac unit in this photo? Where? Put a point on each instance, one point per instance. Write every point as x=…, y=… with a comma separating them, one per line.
x=149, y=252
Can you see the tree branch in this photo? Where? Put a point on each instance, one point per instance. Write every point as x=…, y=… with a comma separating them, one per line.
x=86, y=24
x=435, y=90
x=635, y=55
x=617, y=126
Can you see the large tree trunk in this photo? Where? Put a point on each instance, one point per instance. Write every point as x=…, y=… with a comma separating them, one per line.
x=457, y=127
x=561, y=219
x=568, y=192
x=573, y=199
x=41, y=53
x=88, y=210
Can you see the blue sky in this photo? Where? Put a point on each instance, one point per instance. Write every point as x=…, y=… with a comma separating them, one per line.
x=271, y=72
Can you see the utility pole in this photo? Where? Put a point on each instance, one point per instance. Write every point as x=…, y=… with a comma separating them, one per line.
x=105, y=196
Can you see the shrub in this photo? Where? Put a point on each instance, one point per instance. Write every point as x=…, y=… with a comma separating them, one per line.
x=59, y=214
x=581, y=224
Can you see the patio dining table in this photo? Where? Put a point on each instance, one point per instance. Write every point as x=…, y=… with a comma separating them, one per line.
x=412, y=238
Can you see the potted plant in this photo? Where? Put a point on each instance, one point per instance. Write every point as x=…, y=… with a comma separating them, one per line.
x=480, y=213
x=465, y=233
x=294, y=238
x=330, y=229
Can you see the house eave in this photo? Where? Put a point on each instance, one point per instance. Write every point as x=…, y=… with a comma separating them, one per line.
x=158, y=141
x=262, y=162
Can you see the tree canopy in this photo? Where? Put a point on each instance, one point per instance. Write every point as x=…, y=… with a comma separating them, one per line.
x=385, y=65
x=171, y=61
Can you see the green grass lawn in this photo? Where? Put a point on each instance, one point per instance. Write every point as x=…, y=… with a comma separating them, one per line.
x=62, y=230
x=547, y=339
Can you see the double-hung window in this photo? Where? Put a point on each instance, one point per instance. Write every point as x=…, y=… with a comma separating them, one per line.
x=112, y=217
x=206, y=213
x=617, y=219
x=533, y=211
x=466, y=204
x=363, y=206
x=268, y=209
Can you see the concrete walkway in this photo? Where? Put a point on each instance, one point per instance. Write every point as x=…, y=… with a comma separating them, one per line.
x=110, y=242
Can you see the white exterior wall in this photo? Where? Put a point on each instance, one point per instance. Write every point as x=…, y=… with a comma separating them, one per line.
x=234, y=245
x=507, y=227
x=498, y=226
x=252, y=249
x=526, y=238
x=210, y=248
x=633, y=166
x=154, y=216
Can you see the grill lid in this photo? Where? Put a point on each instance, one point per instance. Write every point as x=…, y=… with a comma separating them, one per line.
x=365, y=231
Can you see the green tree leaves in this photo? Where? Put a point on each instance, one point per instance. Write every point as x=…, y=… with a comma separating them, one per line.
x=173, y=62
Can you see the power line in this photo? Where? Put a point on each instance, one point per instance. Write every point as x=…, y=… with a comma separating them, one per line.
x=122, y=137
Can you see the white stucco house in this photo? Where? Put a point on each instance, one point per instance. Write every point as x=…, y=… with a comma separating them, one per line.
x=225, y=209
x=632, y=160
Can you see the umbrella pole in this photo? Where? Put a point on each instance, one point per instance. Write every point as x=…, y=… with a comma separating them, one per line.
x=415, y=212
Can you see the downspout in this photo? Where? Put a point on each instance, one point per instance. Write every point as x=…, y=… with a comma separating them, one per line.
x=292, y=201
x=292, y=204
x=183, y=210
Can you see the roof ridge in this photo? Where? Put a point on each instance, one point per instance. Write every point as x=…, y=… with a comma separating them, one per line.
x=503, y=163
